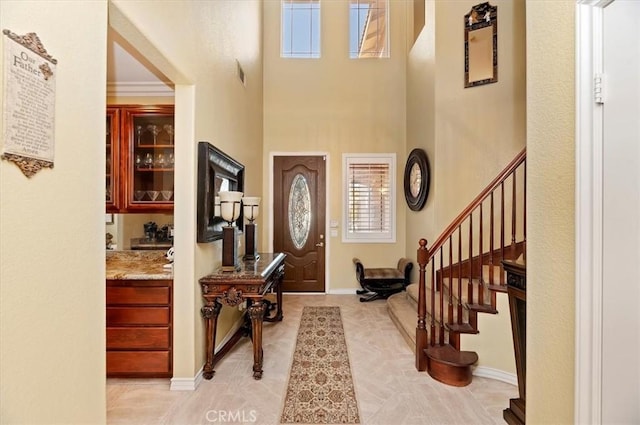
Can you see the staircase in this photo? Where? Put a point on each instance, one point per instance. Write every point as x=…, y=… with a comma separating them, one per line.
x=460, y=274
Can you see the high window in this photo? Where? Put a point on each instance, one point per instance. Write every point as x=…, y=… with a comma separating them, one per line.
x=369, y=198
x=368, y=28
x=300, y=28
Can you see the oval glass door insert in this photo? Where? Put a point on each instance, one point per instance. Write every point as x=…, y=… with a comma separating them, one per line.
x=299, y=211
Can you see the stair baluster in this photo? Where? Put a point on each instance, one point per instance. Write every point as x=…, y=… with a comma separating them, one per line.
x=421, y=330
x=460, y=274
x=480, y=252
x=502, y=282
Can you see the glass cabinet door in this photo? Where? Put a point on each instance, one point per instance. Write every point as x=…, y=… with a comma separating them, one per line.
x=112, y=159
x=150, y=135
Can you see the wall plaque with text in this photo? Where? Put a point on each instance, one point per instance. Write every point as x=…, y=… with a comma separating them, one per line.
x=28, y=103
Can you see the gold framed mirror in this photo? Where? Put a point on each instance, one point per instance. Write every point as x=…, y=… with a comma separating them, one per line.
x=481, y=45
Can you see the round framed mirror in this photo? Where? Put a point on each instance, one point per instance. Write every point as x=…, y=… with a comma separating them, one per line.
x=416, y=179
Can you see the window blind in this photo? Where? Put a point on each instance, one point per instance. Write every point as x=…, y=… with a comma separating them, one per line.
x=369, y=208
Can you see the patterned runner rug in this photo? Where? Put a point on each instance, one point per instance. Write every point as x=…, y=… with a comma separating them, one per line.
x=320, y=387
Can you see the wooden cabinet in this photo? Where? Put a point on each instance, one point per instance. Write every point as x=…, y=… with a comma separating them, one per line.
x=139, y=328
x=140, y=158
x=113, y=160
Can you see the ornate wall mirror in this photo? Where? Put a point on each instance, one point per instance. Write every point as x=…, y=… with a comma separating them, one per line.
x=481, y=45
x=216, y=171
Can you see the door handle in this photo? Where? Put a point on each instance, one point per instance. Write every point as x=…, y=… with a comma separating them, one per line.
x=320, y=244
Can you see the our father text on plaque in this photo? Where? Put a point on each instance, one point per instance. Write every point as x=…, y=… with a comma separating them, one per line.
x=28, y=103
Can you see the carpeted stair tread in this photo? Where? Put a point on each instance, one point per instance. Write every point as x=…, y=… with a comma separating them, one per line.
x=412, y=293
x=403, y=312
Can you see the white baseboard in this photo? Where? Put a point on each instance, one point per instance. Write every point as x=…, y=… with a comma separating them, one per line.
x=498, y=375
x=186, y=384
x=342, y=292
x=191, y=384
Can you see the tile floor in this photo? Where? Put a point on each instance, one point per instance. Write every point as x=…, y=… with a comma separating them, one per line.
x=388, y=388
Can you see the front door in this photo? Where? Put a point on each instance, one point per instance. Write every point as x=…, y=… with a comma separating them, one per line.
x=299, y=220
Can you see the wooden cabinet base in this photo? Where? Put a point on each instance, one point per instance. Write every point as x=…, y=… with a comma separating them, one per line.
x=131, y=363
x=139, y=328
x=144, y=338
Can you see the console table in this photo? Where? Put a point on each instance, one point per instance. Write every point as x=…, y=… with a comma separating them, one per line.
x=254, y=279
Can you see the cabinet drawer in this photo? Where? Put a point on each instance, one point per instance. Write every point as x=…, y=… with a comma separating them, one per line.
x=138, y=316
x=138, y=362
x=139, y=337
x=137, y=295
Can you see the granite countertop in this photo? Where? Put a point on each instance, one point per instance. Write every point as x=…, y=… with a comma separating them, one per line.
x=137, y=265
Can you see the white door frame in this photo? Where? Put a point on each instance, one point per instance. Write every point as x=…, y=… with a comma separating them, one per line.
x=589, y=229
x=327, y=185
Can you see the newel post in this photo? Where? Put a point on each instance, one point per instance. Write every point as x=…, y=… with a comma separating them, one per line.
x=421, y=330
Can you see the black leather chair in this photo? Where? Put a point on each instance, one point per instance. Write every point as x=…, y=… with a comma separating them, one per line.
x=381, y=282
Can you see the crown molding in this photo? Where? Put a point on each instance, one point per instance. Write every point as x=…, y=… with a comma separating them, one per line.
x=141, y=89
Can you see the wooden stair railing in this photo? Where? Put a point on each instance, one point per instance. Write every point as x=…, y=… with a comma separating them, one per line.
x=460, y=274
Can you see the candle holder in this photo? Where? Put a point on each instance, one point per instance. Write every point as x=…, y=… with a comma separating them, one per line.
x=251, y=208
x=230, y=211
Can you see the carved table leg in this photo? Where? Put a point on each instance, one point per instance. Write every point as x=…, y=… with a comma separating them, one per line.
x=256, y=314
x=210, y=313
x=279, y=315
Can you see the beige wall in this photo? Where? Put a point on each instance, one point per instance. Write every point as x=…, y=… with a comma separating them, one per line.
x=550, y=215
x=337, y=105
x=52, y=317
x=469, y=134
x=478, y=130
x=68, y=312
x=421, y=100
x=211, y=105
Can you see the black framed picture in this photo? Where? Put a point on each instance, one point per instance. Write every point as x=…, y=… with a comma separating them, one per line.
x=217, y=172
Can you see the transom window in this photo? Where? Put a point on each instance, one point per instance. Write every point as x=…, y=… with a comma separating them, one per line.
x=369, y=198
x=300, y=27
x=368, y=28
